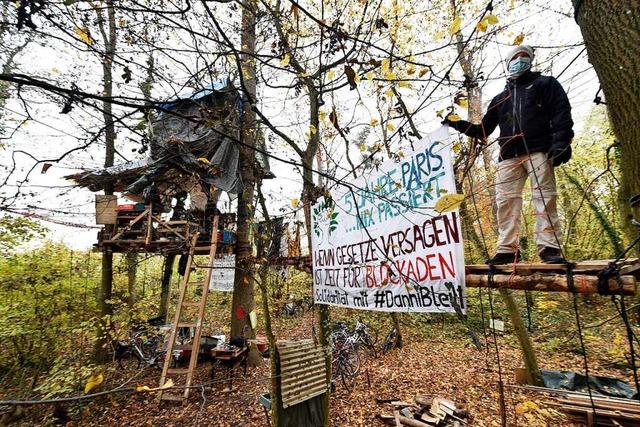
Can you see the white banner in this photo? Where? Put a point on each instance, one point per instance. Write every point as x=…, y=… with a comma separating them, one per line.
x=223, y=273
x=378, y=243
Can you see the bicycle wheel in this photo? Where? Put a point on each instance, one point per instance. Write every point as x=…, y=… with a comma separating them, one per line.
x=350, y=361
x=348, y=381
x=373, y=333
x=128, y=361
x=370, y=347
x=389, y=341
x=349, y=368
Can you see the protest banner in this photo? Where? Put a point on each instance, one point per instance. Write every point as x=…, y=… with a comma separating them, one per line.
x=223, y=273
x=380, y=244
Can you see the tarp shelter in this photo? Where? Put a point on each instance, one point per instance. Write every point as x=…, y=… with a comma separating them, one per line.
x=192, y=147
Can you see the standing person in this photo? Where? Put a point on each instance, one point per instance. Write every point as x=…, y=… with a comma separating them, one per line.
x=534, y=116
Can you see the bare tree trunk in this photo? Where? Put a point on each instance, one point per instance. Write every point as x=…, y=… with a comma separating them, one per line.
x=105, y=308
x=611, y=31
x=132, y=270
x=243, y=289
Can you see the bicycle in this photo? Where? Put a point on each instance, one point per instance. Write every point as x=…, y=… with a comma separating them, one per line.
x=130, y=354
x=345, y=360
x=366, y=337
x=390, y=340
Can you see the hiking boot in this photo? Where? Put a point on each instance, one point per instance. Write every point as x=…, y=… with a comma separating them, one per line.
x=504, y=258
x=552, y=256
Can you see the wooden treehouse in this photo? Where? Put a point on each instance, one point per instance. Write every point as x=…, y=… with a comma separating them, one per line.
x=138, y=228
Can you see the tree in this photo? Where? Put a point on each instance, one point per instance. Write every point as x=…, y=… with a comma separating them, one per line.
x=611, y=31
x=107, y=26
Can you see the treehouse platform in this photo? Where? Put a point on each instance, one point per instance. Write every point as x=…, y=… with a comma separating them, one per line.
x=139, y=229
x=583, y=277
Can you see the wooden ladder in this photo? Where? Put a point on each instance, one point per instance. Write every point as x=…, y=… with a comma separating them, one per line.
x=183, y=377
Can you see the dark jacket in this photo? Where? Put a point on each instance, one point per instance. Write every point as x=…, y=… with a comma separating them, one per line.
x=532, y=110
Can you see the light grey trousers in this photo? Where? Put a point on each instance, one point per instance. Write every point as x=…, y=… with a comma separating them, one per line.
x=512, y=175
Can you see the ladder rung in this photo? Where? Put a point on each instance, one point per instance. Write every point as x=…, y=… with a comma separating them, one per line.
x=179, y=371
x=187, y=325
x=191, y=304
x=172, y=397
x=196, y=283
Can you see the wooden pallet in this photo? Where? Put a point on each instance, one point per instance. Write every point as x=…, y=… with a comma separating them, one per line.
x=303, y=370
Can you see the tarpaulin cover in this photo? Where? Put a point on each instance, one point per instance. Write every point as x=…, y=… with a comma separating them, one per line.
x=573, y=381
x=192, y=129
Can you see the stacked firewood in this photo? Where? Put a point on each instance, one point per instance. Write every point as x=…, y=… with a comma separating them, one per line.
x=600, y=410
x=423, y=412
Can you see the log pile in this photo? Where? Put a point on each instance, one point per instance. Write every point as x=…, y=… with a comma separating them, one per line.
x=609, y=411
x=423, y=412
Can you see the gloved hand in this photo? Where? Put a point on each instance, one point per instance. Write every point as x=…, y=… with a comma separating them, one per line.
x=560, y=152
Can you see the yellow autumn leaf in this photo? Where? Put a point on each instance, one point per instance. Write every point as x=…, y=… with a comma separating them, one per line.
x=362, y=148
x=448, y=202
x=390, y=75
x=95, y=380
x=519, y=39
x=438, y=35
x=463, y=103
x=456, y=147
x=423, y=72
x=303, y=75
x=204, y=160
x=166, y=385
x=411, y=69
x=390, y=126
x=386, y=63
x=455, y=26
x=373, y=122
x=356, y=78
x=312, y=129
x=55, y=71
x=83, y=33
x=295, y=202
x=389, y=93
x=331, y=74
x=404, y=84
x=369, y=75
x=482, y=25
x=285, y=61
x=492, y=19
x=453, y=118
x=322, y=115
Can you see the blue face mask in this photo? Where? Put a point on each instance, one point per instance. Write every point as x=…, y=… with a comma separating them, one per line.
x=519, y=65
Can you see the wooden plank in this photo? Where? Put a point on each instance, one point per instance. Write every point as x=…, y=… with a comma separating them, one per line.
x=307, y=397
x=628, y=264
x=304, y=394
x=302, y=389
x=301, y=359
x=306, y=383
x=550, y=282
x=303, y=371
x=306, y=371
x=106, y=209
x=305, y=347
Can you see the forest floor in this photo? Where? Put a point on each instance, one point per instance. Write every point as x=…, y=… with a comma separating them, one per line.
x=438, y=358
